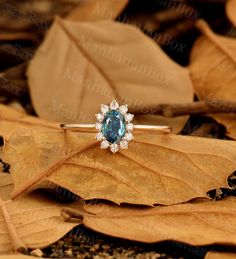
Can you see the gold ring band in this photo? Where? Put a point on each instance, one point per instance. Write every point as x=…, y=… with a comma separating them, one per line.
x=137, y=128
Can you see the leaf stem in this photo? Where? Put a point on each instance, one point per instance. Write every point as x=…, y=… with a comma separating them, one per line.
x=16, y=242
x=40, y=177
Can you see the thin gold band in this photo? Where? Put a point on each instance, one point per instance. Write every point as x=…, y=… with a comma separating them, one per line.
x=137, y=128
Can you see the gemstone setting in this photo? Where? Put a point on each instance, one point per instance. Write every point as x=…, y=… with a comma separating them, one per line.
x=114, y=127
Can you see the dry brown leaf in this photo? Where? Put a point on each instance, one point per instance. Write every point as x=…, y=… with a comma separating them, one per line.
x=12, y=120
x=213, y=63
x=230, y=11
x=100, y=61
x=32, y=222
x=6, y=185
x=196, y=223
x=155, y=169
x=215, y=255
x=93, y=10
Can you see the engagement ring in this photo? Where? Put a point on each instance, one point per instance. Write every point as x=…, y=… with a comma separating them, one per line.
x=114, y=127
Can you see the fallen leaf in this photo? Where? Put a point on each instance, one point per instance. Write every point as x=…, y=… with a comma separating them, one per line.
x=215, y=255
x=12, y=120
x=212, y=67
x=6, y=185
x=230, y=11
x=155, y=169
x=101, y=61
x=93, y=10
x=31, y=222
x=196, y=223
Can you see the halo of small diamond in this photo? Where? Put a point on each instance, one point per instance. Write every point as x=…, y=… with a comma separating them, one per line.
x=129, y=117
x=123, y=109
x=128, y=136
x=99, y=136
x=105, y=144
x=130, y=126
x=98, y=126
x=114, y=105
x=104, y=109
x=123, y=143
x=114, y=148
x=99, y=117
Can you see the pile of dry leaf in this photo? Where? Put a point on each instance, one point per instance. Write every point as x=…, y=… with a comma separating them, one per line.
x=172, y=62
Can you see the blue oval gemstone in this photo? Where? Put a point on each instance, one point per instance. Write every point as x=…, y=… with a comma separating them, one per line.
x=113, y=126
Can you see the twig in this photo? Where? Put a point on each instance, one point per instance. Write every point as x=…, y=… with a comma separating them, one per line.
x=203, y=107
x=156, y=20
x=19, y=36
x=71, y=214
x=175, y=32
x=16, y=242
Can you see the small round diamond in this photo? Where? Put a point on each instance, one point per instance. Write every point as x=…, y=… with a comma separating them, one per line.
x=123, y=144
x=99, y=136
x=114, y=148
x=129, y=117
x=105, y=144
x=123, y=109
x=99, y=117
x=98, y=126
x=114, y=105
x=104, y=108
x=130, y=126
x=128, y=136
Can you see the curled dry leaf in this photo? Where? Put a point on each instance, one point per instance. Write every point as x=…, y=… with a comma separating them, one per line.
x=155, y=169
x=30, y=222
x=93, y=10
x=12, y=120
x=213, y=66
x=215, y=255
x=230, y=11
x=101, y=61
x=196, y=223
